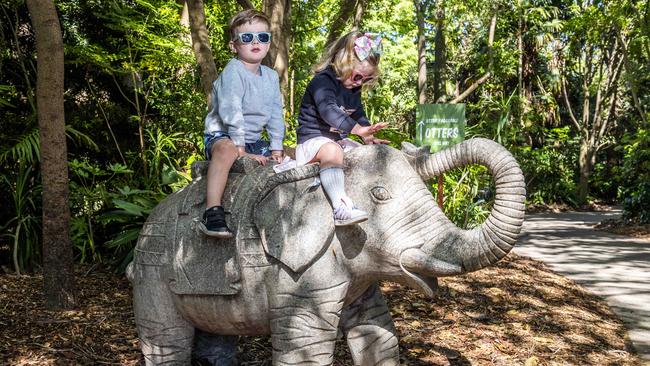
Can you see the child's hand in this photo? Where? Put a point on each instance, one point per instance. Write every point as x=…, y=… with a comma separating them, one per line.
x=372, y=140
x=277, y=155
x=259, y=158
x=367, y=131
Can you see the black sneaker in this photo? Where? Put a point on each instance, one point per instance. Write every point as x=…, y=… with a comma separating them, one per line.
x=214, y=223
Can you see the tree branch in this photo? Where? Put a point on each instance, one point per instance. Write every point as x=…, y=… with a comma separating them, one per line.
x=568, y=105
x=246, y=4
x=631, y=83
x=348, y=9
x=482, y=79
x=472, y=87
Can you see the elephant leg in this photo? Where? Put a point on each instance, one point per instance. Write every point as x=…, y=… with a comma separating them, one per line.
x=215, y=349
x=165, y=336
x=369, y=330
x=304, y=317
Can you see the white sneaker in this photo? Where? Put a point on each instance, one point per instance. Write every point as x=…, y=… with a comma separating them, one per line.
x=344, y=215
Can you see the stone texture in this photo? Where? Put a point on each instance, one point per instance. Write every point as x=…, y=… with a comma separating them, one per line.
x=291, y=273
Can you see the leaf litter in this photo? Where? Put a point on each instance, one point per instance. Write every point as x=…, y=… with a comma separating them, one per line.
x=517, y=312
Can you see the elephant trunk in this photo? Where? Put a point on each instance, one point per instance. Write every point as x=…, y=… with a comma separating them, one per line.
x=456, y=251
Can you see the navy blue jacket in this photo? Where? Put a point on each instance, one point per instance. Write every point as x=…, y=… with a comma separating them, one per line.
x=329, y=109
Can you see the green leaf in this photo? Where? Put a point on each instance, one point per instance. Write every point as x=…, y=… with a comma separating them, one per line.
x=129, y=208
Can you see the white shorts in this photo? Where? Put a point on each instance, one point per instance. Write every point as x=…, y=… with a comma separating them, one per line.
x=306, y=151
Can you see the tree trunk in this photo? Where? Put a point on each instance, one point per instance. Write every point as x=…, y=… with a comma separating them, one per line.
x=292, y=92
x=58, y=275
x=201, y=47
x=600, y=73
x=349, y=10
x=520, y=67
x=358, y=14
x=584, y=162
x=422, y=54
x=279, y=13
x=441, y=55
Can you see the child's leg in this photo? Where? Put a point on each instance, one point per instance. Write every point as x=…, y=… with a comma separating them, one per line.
x=330, y=156
x=223, y=154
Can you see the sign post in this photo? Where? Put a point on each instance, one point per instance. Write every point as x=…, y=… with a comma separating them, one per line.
x=440, y=126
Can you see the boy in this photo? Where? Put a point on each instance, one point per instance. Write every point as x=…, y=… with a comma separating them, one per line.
x=246, y=98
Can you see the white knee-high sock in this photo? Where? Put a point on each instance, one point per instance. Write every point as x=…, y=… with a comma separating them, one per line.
x=333, y=182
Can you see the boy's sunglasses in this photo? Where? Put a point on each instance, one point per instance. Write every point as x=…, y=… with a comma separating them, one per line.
x=247, y=37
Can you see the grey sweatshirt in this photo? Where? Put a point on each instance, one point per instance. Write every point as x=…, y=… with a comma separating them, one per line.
x=244, y=103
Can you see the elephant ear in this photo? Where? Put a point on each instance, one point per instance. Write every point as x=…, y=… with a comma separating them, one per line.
x=295, y=223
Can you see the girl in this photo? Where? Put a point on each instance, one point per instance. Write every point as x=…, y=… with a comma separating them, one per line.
x=331, y=109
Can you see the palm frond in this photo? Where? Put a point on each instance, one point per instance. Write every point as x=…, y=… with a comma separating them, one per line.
x=26, y=149
x=80, y=137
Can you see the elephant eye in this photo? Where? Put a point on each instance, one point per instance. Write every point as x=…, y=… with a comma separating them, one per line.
x=380, y=193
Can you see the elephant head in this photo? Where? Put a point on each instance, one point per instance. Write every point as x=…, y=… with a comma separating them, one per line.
x=407, y=233
x=450, y=250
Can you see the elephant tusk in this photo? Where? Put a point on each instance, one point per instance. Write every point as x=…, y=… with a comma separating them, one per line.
x=426, y=284
x=421, y=262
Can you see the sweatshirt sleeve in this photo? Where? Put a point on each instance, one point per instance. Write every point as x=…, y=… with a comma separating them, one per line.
x=324, y=93
x=229, y=90
x=276, y=128
x=360, y=114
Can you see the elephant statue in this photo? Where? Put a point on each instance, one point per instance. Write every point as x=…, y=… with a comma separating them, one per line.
x=289, y=272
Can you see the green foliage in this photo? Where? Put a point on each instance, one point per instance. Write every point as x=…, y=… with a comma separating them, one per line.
x=5, y=90
x=135, y=108
x=126, y=215
x=468, y=195
x=27, y=148
x=634, y=191
x=108, y=211
x=159, y=155
x=22, y=229
x=89, y=195
x=550, y=170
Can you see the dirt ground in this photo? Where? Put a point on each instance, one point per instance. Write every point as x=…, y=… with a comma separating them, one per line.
x=516, y=313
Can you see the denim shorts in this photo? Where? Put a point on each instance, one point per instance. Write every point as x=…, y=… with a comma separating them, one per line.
x=259, y=147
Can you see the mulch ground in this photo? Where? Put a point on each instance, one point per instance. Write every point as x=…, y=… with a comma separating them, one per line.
x=515, y=313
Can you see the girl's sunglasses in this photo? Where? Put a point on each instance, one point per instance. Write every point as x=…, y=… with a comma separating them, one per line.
x=359, y=77
x=247, y=37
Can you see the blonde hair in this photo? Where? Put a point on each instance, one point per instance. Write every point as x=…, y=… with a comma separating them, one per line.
x=340, y=55
x=243, y=17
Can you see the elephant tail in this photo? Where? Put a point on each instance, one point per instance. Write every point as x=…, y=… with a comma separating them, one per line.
x=129, y=272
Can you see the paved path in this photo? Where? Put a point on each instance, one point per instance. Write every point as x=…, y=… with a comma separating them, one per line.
x=613, y=266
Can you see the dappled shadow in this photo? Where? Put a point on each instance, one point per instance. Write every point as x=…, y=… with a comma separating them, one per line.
x=613, y=266
x=497, y=313
x=503, y=315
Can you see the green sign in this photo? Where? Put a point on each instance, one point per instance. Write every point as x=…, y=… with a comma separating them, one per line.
x=439, y=125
